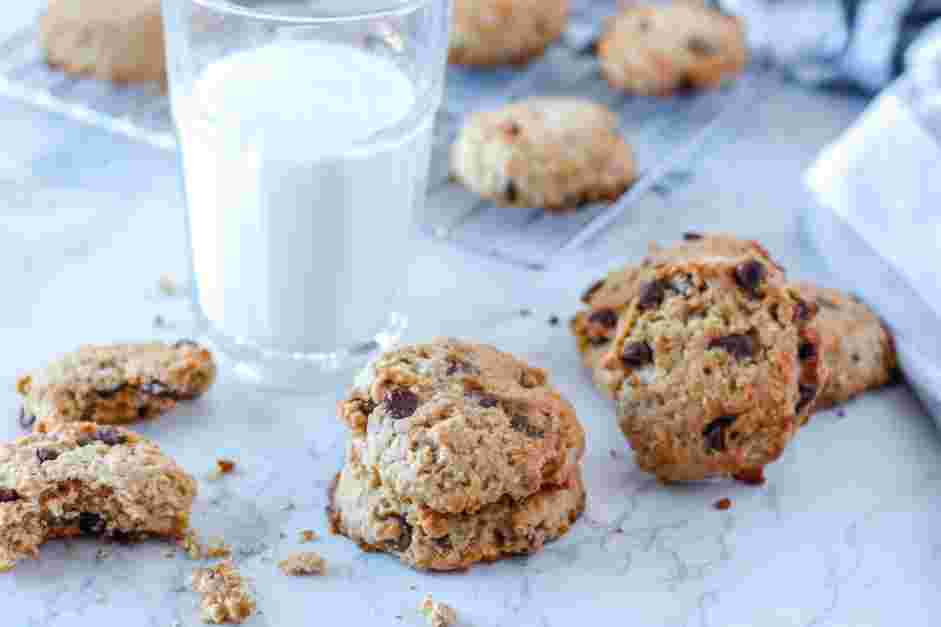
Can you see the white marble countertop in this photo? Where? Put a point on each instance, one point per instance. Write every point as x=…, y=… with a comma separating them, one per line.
x=845, y=532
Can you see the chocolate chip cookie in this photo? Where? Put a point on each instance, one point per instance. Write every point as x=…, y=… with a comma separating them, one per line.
x=497, y=32
x=854, y=344
x=84, y=479
x=116, y=40
x=458, y=453
x=709, y=353
x=550, y=153
x=658, y=49
x=116, y=384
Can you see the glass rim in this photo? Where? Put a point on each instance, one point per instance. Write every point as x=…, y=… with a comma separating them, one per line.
x=232, y=7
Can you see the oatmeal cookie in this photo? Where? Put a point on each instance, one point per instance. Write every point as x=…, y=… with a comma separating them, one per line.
x=116, y=384
x=120, y=41
x=550, y=153
x=462, y=437
x=658, y=49
x=497, y=32
x=378, y=520
x=82, y=479
x=710, y=355
x=854, y=344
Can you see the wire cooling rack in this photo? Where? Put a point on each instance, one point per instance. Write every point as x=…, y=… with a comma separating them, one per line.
x=664, y=132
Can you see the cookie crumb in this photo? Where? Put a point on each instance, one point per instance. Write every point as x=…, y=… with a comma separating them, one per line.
x=303, y=564
x=723, y=504
x=613, y=453
x=289, y=506
x=526, y=312
x=169, y=553
x=308, y=535
x=438, y=614
x=159, y=322
x=167, y=285
x=223, y=467
x=191, y=545
x=224, y=596
x=554, y=320
x=216, y=548
x=102, y=554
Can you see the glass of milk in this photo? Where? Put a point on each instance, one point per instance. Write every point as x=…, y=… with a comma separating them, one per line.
x=304, y=131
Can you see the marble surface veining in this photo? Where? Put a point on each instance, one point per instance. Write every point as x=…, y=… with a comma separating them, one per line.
x=845, y=532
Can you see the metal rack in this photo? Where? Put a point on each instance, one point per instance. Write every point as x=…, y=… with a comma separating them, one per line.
x=664, y=132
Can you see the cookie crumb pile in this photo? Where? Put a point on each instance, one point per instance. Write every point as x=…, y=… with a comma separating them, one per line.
x=458, y=453
x=438, y=614
x=303, y=564
x=225, y=597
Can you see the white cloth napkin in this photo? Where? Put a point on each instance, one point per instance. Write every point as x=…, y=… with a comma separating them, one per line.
x=878, y=218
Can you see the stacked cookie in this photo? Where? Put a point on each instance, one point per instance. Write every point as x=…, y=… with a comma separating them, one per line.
x=715, y=360
x=458, y=453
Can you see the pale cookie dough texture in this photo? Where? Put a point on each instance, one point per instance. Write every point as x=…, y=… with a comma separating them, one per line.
x=498, y=32
x=116, y=384
x=658, y=49
x=710, y=355
x=83, y=479
x=225, y=596
x=549, y=153
x=116, y=40
x=855, y=345
x=458, y=453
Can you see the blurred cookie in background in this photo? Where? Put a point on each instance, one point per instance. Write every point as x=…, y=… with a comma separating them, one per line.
x=656, y=50
x=120, y=41
x=498, y=32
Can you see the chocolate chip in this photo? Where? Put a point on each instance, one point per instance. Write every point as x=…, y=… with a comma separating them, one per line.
x=521, y=424
x=120, y=536
x=689, y=236
x=807, y=351
x=110, y=391
x=807, y=393
x=855, y=357
x=607, y=318
x=714, y=433
x=90, y=523
x=443, y=543
x=513, y=129
x=803, y=311
x=186, y=343
x=643, y=25
x=46, y=455
x=749, y=276
x=651, y=294
x=739, y=346
x=701, y=46
x=454, y=367
x=636, y=354
x=488, y=401
x=110, y=436
x=405, y=537
x=8, y=495
x=367, y=406
x=510, y=191
x=156, y=388
x=594, y=287
x=26, y=419
x=401, y=403
x=598, y=341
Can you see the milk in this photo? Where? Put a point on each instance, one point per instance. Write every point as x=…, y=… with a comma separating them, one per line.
x=302, y=168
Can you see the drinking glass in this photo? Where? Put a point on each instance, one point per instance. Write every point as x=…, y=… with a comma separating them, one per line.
x=304, y=132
